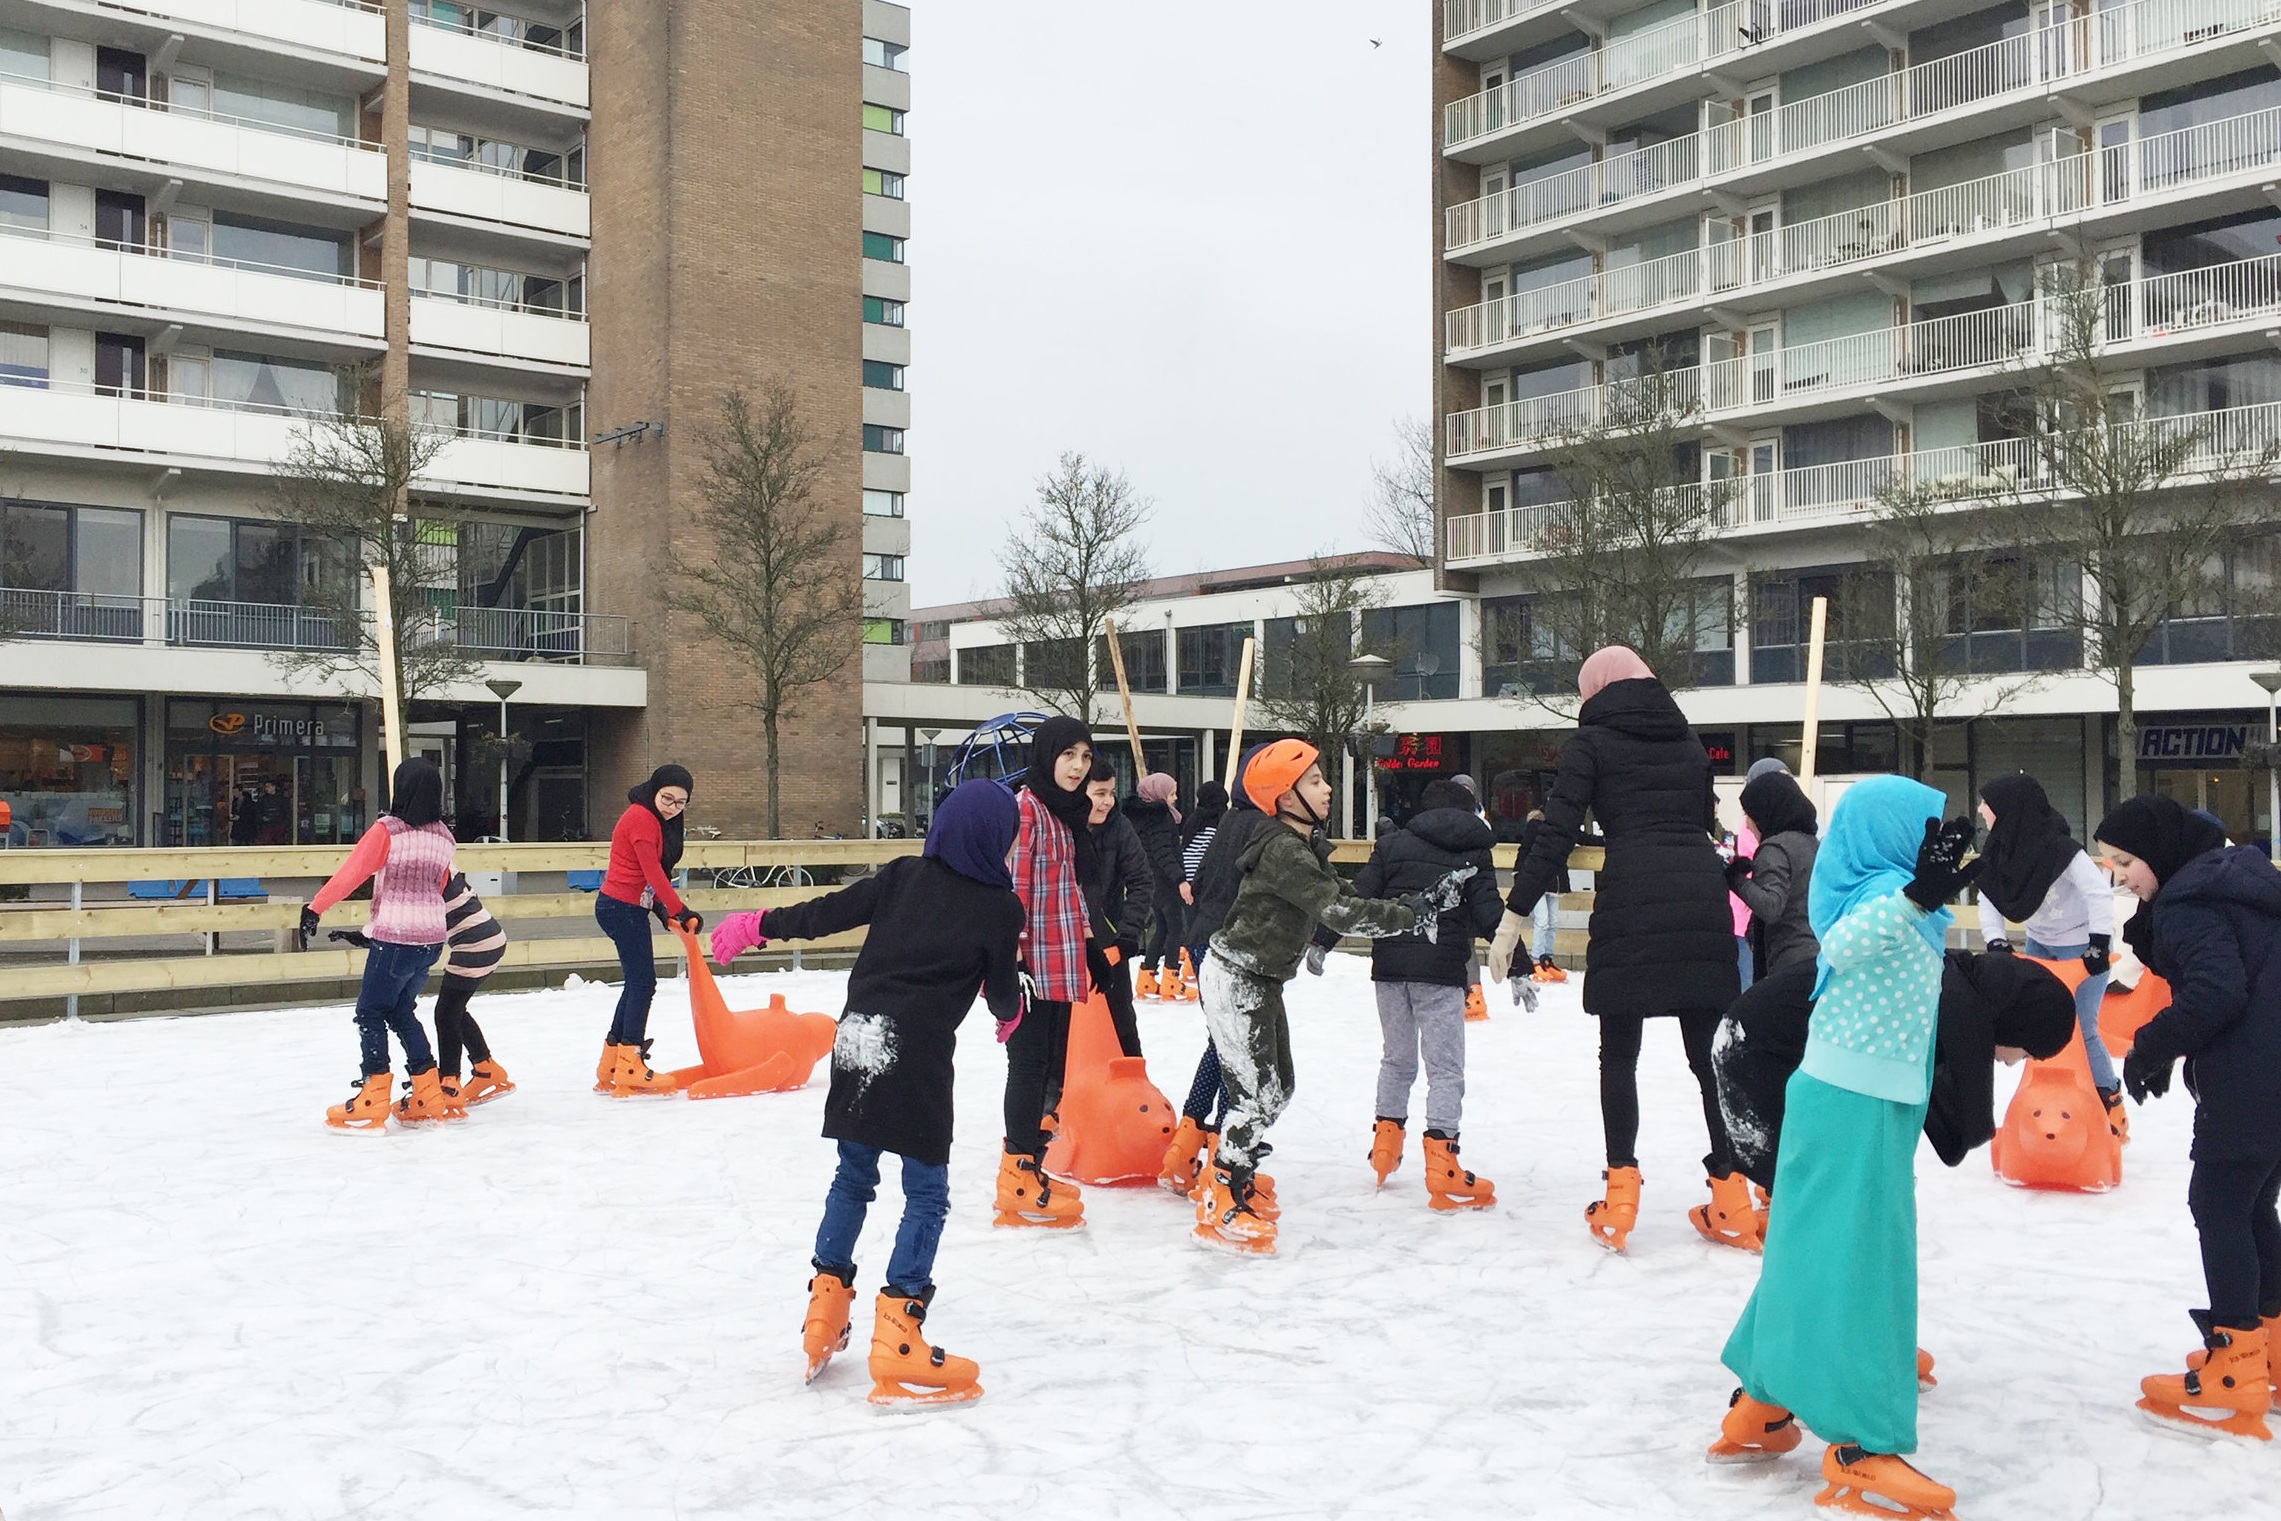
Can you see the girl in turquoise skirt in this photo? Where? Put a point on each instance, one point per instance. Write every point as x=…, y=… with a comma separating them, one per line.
x=1830, y=1334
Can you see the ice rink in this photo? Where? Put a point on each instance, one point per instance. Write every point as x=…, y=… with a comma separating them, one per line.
x=571, y=1307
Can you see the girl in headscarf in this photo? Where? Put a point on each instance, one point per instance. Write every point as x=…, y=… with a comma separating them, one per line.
x=2034, y=874
x=645, y=846
x=1154, y=812
x=1829, y=1337
x=2209, y=923
x=943, y=924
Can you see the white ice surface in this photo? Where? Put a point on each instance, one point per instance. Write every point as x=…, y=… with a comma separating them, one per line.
x=211, y=1307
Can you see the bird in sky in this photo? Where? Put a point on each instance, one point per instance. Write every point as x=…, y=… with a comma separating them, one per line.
x=1374, y=41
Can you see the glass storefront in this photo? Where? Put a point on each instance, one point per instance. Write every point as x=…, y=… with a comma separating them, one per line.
x=270, y=773
x=67, y=770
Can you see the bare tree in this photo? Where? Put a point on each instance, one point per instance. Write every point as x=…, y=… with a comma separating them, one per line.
x=1074, y=558
x=1308, y=686
x=1400, y=516
x=347, y=482
x=774, y=585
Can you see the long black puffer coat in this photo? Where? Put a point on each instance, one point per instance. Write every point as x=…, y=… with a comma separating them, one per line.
x=1662, y=932
x=2217, y=942
x=1160, y=837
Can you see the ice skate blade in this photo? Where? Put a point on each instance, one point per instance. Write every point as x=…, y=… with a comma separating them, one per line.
x=1610, y=1241
x=1450, y=1204
x=1015, y=1220
x=1239, y=1246
x=356, y=1129
x=496, y=1093
x=890, y=1396
x=1731, y=1454
x=1846, y=1498
x=2233, y=1427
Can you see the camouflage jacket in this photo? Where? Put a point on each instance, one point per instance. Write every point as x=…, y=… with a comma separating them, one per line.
x=1289, y=887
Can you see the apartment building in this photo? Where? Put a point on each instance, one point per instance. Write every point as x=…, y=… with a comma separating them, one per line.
x=1829, y=226
x=552, y=239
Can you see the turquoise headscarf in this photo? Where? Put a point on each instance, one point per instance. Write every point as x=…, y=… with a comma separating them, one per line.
x=1869, y=851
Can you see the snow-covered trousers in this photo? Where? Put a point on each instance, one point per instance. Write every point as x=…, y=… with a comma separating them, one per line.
x=1243, y=1013
x=1427, y=1017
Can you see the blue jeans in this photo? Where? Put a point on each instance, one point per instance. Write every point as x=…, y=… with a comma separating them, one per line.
x=627, y=925
x=926, y=1203
x=1742, y=959
x=1543, y=926
x=2089, y=993
x=387, y=1000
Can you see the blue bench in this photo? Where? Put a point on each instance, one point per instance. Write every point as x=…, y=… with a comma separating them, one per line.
x=229, y=888
x=585, y=881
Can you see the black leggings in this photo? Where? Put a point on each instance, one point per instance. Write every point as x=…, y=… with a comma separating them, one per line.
x=1165, y=926
x=455, y=1027
x=1035, y=1053
x=1619, y=1087
x=2233, y=1205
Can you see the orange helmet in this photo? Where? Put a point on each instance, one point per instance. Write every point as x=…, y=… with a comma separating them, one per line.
x=1276, y=770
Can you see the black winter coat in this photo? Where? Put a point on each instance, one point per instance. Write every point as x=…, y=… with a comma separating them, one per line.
x=1410, y=860
x=1160, y=840
x=1530, y=830
x=2217, y=942
x=1775, y=893
x=937, y=938
x=1118, y=891
x=1662, y=931
x=1219, y=876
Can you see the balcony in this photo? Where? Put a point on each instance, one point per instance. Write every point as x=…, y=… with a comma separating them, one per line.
x=2137, y=318
x=1999, y=208
x=513, y=468
x=492, y=329
x=163, y=282
x=76, y=123
x=489, y=633
x=2016, y=74
x=352, y=27
x=1820, y=495
x=502, y=195
x=521, y=64
x=1472, y=23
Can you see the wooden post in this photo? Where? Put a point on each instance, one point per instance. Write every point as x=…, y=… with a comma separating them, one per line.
x=384, y=641
x=1125, y=696
x=1235, y=727
x=1810, y=739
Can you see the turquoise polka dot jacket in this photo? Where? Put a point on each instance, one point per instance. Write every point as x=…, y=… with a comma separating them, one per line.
x=1873, y=1026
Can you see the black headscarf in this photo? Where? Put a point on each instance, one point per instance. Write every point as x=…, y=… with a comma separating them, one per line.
x=2028, y=1005
x=1068, y=804
x=1210, y=807
x=2028, y=849
x=2161, y=832
x=416, y=793
x=1778, y=805
x=644, y=795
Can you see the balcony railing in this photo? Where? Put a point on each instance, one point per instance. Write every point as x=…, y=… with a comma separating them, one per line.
x=489, y=633
x=1462, y=18
x=1972, y=473
x=250, y=123
x=2244, y=291
x=507, y=31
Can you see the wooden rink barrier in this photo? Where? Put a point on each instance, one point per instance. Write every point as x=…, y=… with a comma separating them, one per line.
x=82, y=933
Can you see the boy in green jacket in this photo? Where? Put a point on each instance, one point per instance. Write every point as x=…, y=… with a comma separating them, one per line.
x=1288, y=887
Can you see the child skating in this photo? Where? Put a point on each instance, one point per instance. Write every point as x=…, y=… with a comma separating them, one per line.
x=474, y=944
x=2209, y=923
x=1829, y=1337
x=943, y=925
x=1288, y=888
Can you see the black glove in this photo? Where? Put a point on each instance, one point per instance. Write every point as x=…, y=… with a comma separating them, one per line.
x=2000, y=944
x=657, y=912
x=2146, y=1075
x=1738, y=870
x=689, y=921
x=1940, y=872
x=357, y=938
x=307, y=928
x=2096, y=960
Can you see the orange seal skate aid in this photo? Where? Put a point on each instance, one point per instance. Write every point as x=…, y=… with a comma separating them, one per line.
x=2056, y=1134
x=771, y=1050
x=1116, y=1126
x=2124, y=1011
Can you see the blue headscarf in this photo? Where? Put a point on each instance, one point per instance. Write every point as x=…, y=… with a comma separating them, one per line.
x=1869, y=851
x=973, y=829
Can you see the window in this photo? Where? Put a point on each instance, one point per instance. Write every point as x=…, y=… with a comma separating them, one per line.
x=987, y=665
x=514, y=422
x=1422, y=642
x=884, y=631
x=1210, y=655
x=1522, y=651
x=257, y=560
x=1143, y=650
x=483, y=285
x=882, y=119
x=1860, y=629
x=882, y=504
x=289, y=108
x=23, y=355
x=883, y=311
x=882, y=567
x=23, y=203
x=23, y=54
x=286, y=385
x=438, y=145
x=880, y=440
x=878, y=245
x=93, y=551
x=281, y=247
x=884, y=182
x=879, y=375
x=884, y=55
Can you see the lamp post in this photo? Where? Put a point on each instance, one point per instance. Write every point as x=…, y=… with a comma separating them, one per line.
x=1370, y=670
x=503, y=690
x=2271, y=681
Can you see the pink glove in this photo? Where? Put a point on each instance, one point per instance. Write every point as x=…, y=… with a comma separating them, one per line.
x=736, y=934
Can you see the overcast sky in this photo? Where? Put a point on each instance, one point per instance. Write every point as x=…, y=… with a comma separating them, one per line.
x=1185, y=237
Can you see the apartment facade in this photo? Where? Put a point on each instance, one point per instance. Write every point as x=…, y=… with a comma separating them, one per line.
x=1830, y=226
x=550, y=239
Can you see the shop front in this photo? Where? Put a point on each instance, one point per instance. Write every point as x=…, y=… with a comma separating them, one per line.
x=263, y=773
x=2196, y=758
x=67, y=770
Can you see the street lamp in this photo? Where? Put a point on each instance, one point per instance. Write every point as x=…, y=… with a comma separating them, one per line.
x=503, y=690
x=1370, y=670
x=2271, y=681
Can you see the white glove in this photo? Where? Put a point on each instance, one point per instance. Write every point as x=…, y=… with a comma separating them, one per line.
x=1316, y=956
x=1510, y=929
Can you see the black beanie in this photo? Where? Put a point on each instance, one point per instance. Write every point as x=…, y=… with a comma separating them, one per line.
x=2027, y=1003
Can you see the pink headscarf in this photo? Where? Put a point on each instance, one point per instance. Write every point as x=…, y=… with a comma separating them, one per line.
x=1158, y=787
x=1615, y=663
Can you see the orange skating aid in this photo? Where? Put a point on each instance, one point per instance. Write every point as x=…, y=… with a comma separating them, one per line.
x=1114, y=1123
x=1925, y=1380
x=2055, y=1134
x=424, y=1105
x=771, y=1050
x=1145, y=984
x=1448, y=1185
x=1385, y=1149
x=1226, y=1220
x=632, y=1077
x=1611, y=1219
x=486, y=1082
x=905, y=1371
x=1852, y=1476
x=2124, y=1010
x=2227, y=1395
x=1186, y=1157
x=1729, y=1219
x=1476, y=1006
x=367, y=1109
x=1753, y=1431
x=1027, y=1197
x=825, y=1330
x=1188, y=993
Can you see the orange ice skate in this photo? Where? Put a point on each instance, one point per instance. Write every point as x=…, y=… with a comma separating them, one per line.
x=1853, y=1476
x=1184, y=1159
x=485, y=1082
x=1227, y=1221
x=1611, y=1219
x=605, y=1066
x=454, y=1096
x=1926, y=1383
x=1753, y=1431
x=632, y=1077
x=1146, y=986
x=1547, y=970
x=825, y=1331
x=1728, y=1219
x=1476, y=1006
x=424, y=1105
x=1188, y=993
x=2227, y=1395
x=1027, y=1197
x=2201, y=1355
x=1385, y=1149
x=905, y=1371
x=1448, y=1185
x=366, y=1112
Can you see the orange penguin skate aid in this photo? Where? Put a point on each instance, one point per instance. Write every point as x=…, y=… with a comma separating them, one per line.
x=2056, y=1132
x=1115, y=1123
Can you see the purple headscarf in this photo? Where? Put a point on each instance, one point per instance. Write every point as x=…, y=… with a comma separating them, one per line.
x=973, y=829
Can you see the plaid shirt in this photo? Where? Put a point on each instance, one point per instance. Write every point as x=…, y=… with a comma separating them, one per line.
x=1053, y=909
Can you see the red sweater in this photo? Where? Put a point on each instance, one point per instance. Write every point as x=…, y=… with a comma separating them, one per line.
x=634, y=848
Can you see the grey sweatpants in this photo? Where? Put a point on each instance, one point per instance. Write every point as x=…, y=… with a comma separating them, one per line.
x=1427, y=1017
x=1243, y=1014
